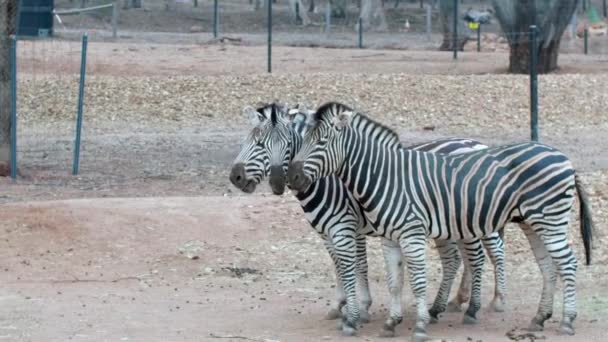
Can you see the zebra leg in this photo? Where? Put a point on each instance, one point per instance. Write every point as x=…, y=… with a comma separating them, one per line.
x=495, y=248
x=394, y=279
x=346, y=251
x=413, y=246
x=336, y=311
x=362, y=280
x=547, y=268
x=450, y=262
x=464, y=290
x=475, y=257
x=555, y=241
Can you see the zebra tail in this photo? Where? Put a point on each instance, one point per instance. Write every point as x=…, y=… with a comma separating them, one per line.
x=586, y=220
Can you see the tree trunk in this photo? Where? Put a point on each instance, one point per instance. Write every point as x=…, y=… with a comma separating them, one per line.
x=8, y=20
x=446, y=15
x=519, y=57
x=372, y=15
x=551, y=19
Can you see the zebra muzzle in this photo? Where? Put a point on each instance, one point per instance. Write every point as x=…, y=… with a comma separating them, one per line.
x=298, y=180
x=277, y=179
x=238, y=178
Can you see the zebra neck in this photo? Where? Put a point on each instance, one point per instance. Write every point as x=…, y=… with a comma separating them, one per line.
x=296, y=137
x=374, y=172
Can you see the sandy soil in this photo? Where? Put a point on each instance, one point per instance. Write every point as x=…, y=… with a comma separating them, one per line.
x=122, y=269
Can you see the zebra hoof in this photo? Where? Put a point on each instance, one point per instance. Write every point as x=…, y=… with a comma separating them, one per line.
x=333, y=314
x=420, y=335
x=498, y=305
x=535, y=327
x=339, y=325
x=364, y=317
x=468, y=320
x=453, y=307
x=566, y=328
x=348, y=330
x=433, y=320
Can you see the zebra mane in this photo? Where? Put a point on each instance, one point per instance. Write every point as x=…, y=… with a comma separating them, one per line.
x=270, y=111
x=331, y=110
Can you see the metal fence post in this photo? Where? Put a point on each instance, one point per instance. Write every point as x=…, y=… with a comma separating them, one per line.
x=269, y=5
x=605, y=8
x=428, y=21
x=114, y=19
x=455, y=29
x=534, y=83
x=478, y=37
x=83, y=64
x=360, y=33
x=328, y=18
x=13, y=113
x=586, y=40
x=216, y=17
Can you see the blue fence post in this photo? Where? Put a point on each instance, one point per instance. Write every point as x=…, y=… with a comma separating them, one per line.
x=13, y=137
x=83, y=65
x=269, y=2
x=534, y=83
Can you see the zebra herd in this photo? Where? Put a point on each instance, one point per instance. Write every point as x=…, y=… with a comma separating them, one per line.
x=354, y=179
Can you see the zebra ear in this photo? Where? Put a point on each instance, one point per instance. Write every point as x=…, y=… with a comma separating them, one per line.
x=298, y=114
x=302, y=108
x=254, y=117
x=295, y=116
x=343, y=119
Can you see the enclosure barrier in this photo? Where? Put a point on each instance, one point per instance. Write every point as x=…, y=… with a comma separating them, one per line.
x=269, y=36
x=13, y=137
x=534, y=84
x=13, y=106
x=360, y=33
x=455, y=29
x=83, y=66
x=216, y=19
x=57, y=13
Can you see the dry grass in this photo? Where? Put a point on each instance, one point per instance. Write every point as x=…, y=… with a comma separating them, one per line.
x=406, y=101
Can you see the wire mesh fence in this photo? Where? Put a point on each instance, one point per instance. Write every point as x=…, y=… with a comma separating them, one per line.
x=403, y=24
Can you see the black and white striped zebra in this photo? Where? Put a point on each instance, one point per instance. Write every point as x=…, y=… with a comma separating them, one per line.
x=331, y=210
x=410, y=195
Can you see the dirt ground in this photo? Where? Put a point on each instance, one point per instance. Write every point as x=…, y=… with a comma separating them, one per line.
x=150, y=242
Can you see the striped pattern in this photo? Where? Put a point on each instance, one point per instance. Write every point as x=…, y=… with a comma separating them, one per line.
x=336, y=216
x=410, y=195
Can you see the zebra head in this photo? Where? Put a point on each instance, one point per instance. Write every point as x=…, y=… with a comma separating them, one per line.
x=283, y=139
x=269, y=147
x=252, y=164
x=323, y=149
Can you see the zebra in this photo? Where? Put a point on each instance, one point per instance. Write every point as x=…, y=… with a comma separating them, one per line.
x=409, y=195
x=268, y=149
